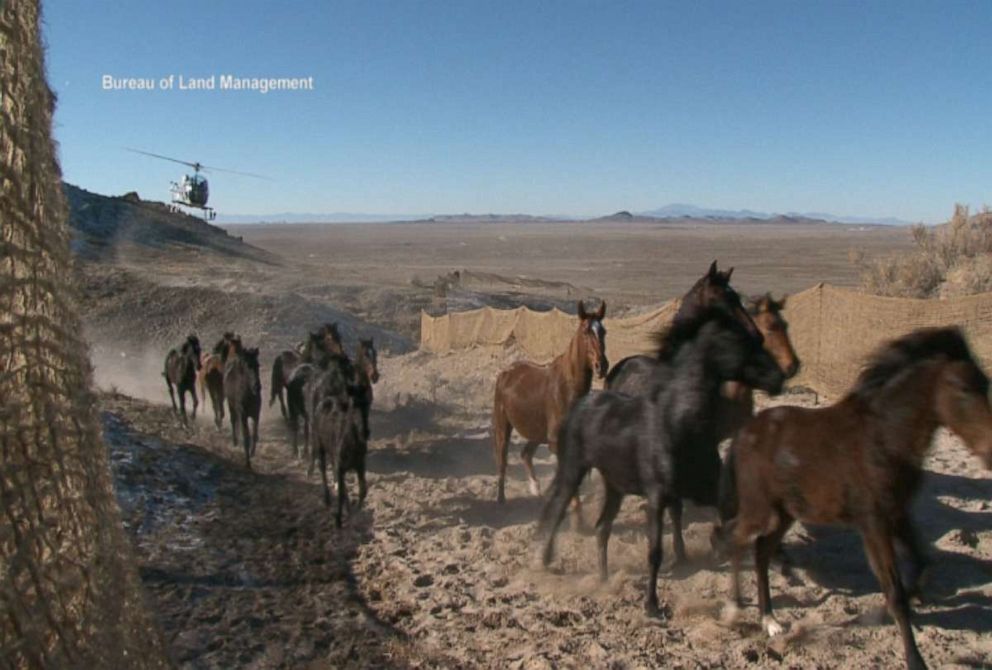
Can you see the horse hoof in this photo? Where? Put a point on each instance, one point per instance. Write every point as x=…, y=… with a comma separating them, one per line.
x=730, y=614
x=771, y=625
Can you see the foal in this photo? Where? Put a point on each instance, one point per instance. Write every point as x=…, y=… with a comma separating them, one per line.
x=661, y=445
x=533, y=399
x=180, y=371
x=856, y=463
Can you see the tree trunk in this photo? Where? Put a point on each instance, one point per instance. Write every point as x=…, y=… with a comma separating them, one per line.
x=69, y=592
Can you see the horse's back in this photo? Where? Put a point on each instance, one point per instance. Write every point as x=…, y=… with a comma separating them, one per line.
x=633, y=375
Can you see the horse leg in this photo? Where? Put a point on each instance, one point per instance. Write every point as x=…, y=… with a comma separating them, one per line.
x=764, y=549
x=656, y=511
x=908, y=540
x=233, y=416
x=196, y=400
x=323, y=473
x=565, y=485
x=362, y=485
x=172, y=395
x=182, y=404
x=678, y=543
x=246, y=438
x=501, y=446
x=254, y=434
x=342, y=493
x=734, y=605
x=604, y=526
x=881, y=556
x=527, y=456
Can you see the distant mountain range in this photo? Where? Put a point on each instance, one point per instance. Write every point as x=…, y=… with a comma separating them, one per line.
x=692, y=211
x=673, y=211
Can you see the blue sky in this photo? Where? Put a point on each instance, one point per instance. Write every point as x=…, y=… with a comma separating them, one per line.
x=868, y=108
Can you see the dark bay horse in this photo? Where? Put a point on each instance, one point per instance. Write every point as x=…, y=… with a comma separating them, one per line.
x=660, y=445
x=211, y=376
x=366, y=374
x=327, y=339
x=329, y=375
x=633, y=375
x=180, y=370
x=243, y=389
x=856, y=463
x=533, y=399
x=339, y=440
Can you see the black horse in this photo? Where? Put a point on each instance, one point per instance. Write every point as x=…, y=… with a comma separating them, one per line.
x=243, y=389
x=662, y=445
x=180, y=370
x=329, y=376
x=339, y=438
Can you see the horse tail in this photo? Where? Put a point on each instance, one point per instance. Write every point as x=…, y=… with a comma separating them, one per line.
x=728, y=502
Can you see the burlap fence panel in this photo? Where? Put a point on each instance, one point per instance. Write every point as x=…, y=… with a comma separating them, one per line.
x=541, y=335
x=833, y=330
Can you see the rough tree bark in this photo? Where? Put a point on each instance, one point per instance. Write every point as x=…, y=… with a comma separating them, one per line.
x=69, y=592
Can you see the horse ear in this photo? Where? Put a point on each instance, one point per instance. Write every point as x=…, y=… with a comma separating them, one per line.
x=582, y=311
x=713, y=271
x=726, y=275
x=781, y=303
x=602, y=310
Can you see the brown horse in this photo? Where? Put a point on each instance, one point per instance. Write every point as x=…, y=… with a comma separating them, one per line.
x=326, y=340
x=766, y=312
x=534, y=399
x=856, y=463
x=210, y=378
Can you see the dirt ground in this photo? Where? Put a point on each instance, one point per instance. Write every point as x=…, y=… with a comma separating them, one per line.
x=245, y=569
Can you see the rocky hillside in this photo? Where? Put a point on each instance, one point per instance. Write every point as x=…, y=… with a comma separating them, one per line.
x=103, y=224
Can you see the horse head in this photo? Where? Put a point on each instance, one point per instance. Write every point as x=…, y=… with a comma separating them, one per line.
x=766, y=312
x=331, y=336
x=962, y=404
x=368, y=359
x=713, y=289
x=593, y=338
x=191, y=349
x=734, y=355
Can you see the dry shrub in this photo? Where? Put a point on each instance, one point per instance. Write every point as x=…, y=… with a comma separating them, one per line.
x=951, y=259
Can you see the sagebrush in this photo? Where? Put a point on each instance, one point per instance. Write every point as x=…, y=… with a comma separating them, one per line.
x=952, y=259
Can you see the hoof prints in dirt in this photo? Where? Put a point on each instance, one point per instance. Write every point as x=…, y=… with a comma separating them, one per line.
x=242, y=569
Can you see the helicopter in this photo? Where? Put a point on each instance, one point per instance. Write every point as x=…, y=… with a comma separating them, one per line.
x=193, y=191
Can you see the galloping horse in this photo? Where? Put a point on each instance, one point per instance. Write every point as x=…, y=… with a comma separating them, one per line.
x=243, y=388
x=210, y=378
x=533, y=399
x=327, y=339
x=659, y=445
x=180, y=371
x=635, y=375
x=856, y=463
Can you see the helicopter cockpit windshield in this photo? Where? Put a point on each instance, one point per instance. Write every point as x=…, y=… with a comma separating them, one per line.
x=197, y=191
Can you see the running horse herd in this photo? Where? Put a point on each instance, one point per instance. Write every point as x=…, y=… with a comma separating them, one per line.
x=320, y=390
x=655, y=430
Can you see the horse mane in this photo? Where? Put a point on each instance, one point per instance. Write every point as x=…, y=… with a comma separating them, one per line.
x=669, y=341
x=909, y=351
